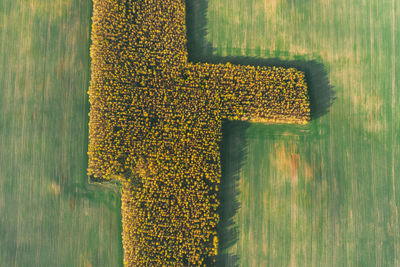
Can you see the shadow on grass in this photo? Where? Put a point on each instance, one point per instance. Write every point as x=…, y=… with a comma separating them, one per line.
x=233, y=154
x=320, y=91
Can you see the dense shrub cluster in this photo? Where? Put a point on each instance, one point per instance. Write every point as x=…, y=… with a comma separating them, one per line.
x=155, y=124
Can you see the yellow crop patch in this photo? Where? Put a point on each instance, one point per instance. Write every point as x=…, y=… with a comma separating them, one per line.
x=155, y=124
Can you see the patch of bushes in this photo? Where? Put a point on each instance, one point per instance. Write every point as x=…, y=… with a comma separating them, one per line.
x=155, y=124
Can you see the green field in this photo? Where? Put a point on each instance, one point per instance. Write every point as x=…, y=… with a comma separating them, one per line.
x=324, y=194
x=49, y=214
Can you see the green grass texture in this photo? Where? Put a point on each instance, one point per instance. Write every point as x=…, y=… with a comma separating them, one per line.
x=323, y=194
x=49, y=214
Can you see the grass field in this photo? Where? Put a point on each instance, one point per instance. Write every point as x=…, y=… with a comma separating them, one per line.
x=325, y=194
x=49, y=214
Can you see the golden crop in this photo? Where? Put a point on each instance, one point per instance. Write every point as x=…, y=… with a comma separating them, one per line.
x=155, y=124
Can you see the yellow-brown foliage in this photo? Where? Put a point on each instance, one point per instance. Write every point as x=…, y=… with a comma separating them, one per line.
x=155, y=123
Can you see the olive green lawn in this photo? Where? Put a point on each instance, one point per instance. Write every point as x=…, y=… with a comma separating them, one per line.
x=325, y=194
x=49, y=214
